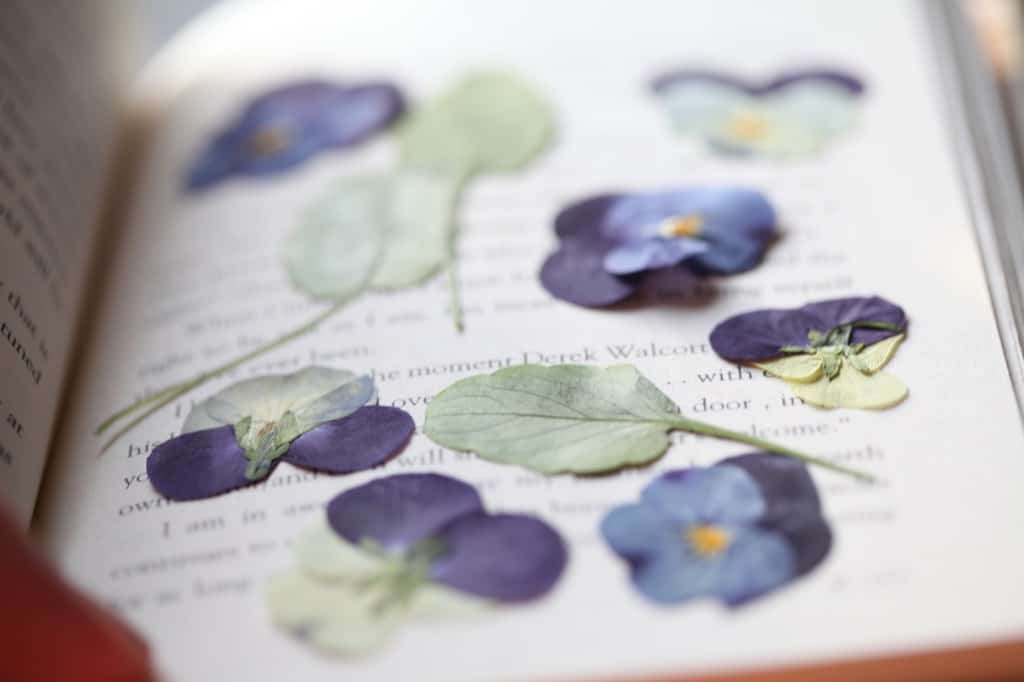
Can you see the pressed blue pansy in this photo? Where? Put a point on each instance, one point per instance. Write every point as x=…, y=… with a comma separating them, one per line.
x=409, y=546
x=316, y=418
x=792, y=115
x=830, y=352
x=607, y=242
x=733, y=531
x=286, y=126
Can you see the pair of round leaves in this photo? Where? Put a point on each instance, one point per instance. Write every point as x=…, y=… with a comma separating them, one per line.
x=408, y=546
x=317, y=418
x=396, y=229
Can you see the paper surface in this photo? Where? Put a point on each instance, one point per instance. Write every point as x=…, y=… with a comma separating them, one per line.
x=930, y=558
x=60, y=68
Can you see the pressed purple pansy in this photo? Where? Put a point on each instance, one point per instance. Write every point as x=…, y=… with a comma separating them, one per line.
x=830, y=352
x=608, y=242
x=288, y=125
x=734, y=531
x=792, y=115
x=409, y=545
x=317, y=418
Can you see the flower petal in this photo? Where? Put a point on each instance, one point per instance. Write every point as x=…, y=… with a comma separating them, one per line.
x=322, y=554
x=634, y=257
x=582, y=220
x=853, y=389
x=300, y=120
x=336, y=617
x=198, y=464
x=876, y=356
x=506, y=557
x=638, y=531
x=802, y=367
x=398, y=511
x=793, y=507
x=838, y=311
x=363, y=439
x=756, y=561
x=312, y=394
x=712, y=494
x=576, y=273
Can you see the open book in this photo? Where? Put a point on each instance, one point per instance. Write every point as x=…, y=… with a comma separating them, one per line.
x=908, y=202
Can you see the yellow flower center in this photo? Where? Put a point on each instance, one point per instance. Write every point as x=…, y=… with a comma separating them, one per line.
x=708, y=540
x=269, y=140
x=748, y=126
x=681, y=226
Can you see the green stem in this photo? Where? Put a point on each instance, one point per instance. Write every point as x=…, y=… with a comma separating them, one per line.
x=168, y=395
x=455, y=300
x=694, y=426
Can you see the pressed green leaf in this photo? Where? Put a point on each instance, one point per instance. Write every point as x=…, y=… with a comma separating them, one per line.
x=331, y=254
x=567, y=418
x=572, y=419
x=419, y=227
x=490, y=122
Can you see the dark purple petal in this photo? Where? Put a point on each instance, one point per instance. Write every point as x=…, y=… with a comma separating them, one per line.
x=198, y=464
x=305, y=118
x=506, y=557
x=583, y=219
x=363, y=439
x=850, y=83
x=859, y=309
x=792, y=505
x=759, y=335
x=576, y=273
x=398, y=511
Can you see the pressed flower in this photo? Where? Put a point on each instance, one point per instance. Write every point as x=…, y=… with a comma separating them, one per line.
x=317, y=418
x=288, y=125
x=734, y=531
x=829, y=352
x=608, y=242
x=793, y=115
x=408, y=546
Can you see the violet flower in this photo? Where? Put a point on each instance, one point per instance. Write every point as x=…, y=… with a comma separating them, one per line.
x=608, y=242
x=288, y=125
x=317, y=418
x=407, y=546
x=829, y=352
x=793, y=115
x=734, y=531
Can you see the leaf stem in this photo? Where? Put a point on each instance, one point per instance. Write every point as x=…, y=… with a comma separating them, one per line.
x=694, y=426
x=171, y=393
x=454, y=297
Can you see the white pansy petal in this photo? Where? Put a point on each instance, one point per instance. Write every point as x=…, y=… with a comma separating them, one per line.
x=435, y=602
x=334, y=617
x=875, y=356
x=268, y=398
x=852, y=389
x=323, y=554
x=803, y=367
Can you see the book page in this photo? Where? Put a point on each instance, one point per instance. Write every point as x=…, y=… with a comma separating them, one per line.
x=926, y=558
x=60, y=65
